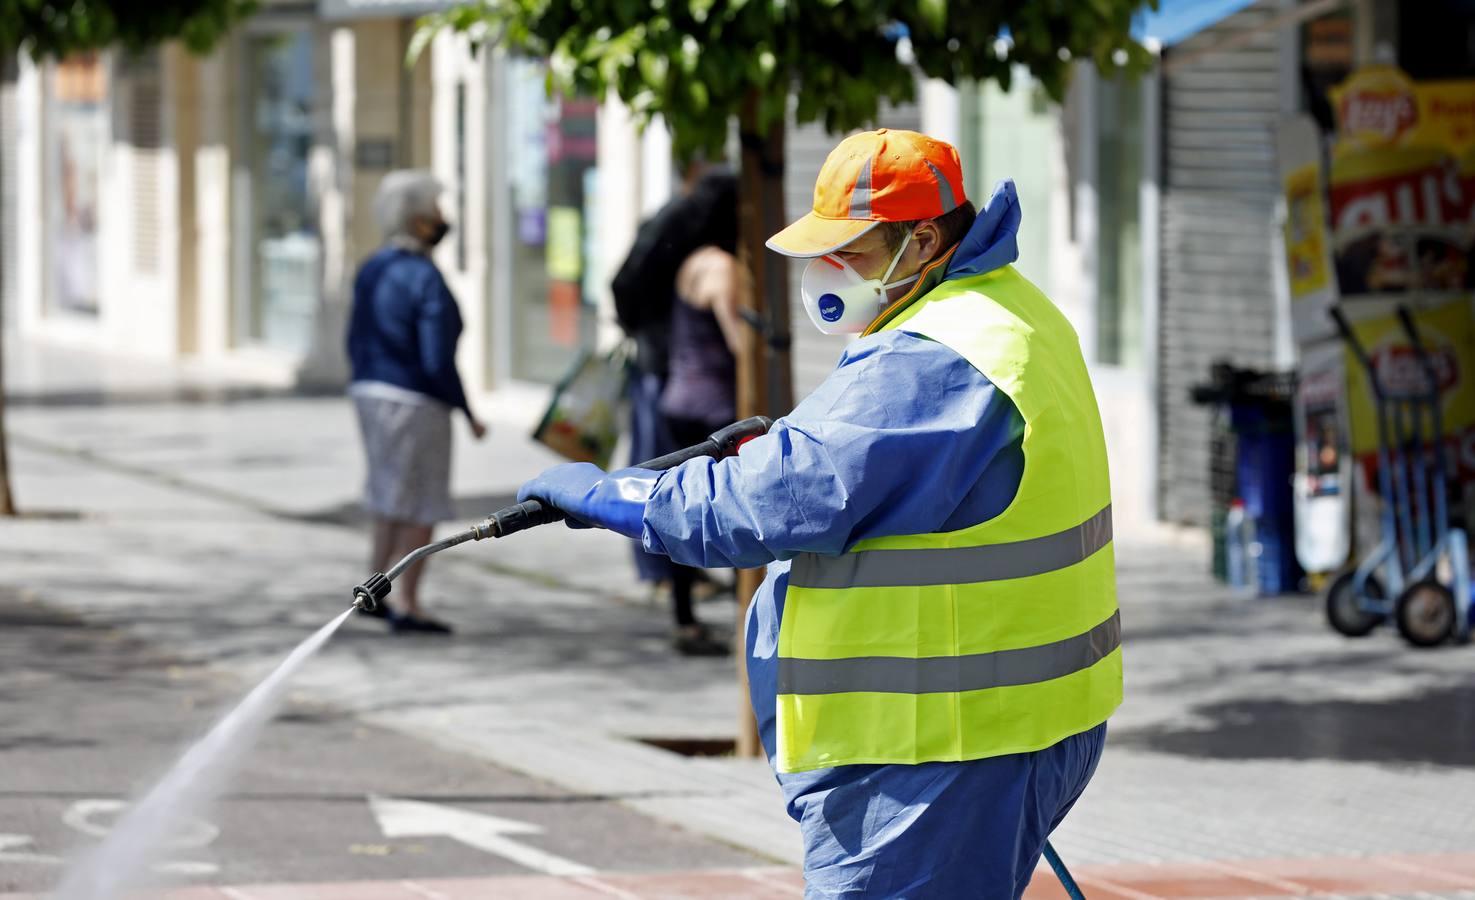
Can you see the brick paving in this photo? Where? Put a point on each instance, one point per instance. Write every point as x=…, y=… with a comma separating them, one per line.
x=1409, y=876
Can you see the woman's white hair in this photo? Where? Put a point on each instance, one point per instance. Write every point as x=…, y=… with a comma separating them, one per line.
x=403, y=195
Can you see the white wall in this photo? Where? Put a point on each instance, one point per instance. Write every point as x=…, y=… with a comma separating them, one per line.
x=453, y=67
x=137, y=283
x=29, y=274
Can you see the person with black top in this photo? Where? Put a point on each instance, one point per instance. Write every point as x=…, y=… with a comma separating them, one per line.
x=675, y=354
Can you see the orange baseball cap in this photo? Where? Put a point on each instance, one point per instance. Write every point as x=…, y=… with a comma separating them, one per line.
x=873, y=177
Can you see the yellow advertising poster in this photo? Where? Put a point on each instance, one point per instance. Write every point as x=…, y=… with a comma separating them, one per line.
x=1307, y=237
x=1380, y=106
x=1448, y=335
x=1306, y=234
x=565, y=244
x=1400, y=221
x=1401, y=205
x=1447, y=113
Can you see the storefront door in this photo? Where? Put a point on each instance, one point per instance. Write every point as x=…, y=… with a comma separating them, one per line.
x=78, y=138
x=551, y=192
x=284, y=246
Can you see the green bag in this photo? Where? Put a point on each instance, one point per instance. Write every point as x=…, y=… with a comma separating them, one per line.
x=585, y=415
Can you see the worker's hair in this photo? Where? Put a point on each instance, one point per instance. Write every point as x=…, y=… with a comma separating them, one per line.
x=951, y=225
x=403, y=195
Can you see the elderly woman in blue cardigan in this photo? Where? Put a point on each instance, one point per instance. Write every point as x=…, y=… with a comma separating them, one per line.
x=402, y=347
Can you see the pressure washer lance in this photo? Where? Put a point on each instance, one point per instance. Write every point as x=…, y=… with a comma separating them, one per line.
x=531, y=513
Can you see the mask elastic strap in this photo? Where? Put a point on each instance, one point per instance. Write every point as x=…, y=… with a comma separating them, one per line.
x=896, y=259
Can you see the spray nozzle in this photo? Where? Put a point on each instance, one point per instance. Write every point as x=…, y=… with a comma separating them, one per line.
x=368, y=595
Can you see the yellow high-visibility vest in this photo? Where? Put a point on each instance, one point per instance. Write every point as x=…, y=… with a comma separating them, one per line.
x=1000, y=638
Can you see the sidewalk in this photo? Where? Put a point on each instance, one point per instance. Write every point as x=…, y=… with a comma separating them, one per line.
x=1251, y=733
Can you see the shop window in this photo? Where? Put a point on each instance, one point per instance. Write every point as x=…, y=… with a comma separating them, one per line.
x=551, y=153
x=284, y=244
x=1014, y=134
x=1119, y=221
x=78, y=116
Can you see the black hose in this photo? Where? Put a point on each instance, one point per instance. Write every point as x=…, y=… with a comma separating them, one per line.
x=531, y=513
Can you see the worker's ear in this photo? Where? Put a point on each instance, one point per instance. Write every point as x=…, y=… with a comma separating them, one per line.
x=927, y=238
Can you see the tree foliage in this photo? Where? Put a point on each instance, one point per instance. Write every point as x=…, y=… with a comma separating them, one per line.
x=694, y=62
x=55, y=28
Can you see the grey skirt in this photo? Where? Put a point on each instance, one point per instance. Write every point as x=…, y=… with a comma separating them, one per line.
x=408, y=449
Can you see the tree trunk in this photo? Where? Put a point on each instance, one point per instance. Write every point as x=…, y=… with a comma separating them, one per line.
x=765, y=383
x=7, y=502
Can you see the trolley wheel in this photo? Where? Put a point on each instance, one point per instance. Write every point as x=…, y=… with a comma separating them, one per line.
x=1426, y=614
x=1343, y=611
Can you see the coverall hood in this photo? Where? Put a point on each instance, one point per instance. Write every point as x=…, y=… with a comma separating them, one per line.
x=993, y=241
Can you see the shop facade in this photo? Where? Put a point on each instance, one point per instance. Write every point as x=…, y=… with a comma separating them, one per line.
x=214, y=209
x=1153, y=209
x=1235, y=86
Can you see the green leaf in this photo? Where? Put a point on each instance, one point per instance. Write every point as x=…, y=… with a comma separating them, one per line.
x=653, y=68
x=934, y=13
x=425, y=31
x=696, y=62
x=55, y=28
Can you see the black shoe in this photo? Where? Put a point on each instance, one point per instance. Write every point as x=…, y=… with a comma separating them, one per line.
x=418, y=625
x=697, y=642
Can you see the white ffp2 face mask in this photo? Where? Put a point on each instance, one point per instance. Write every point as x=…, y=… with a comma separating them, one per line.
x=838, y=300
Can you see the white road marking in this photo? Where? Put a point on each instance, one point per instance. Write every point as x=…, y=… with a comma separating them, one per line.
x=415, y=818
x=185, y=867
x=192, y=834
x=7, y=841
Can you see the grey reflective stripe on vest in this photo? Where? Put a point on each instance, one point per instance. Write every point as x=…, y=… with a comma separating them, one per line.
x=951, y=674
x=954, y=565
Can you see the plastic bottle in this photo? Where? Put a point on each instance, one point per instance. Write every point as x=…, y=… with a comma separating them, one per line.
x=1234, y=546
x=1254, y=557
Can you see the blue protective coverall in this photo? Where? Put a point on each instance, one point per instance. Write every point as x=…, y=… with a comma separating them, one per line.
x=904, y=437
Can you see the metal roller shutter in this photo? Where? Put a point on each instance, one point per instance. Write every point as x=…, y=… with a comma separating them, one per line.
x=1218, y=200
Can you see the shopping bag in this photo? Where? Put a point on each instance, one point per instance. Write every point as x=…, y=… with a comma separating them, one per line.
x=583, y=418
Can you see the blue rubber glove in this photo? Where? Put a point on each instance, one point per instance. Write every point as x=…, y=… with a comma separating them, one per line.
x=590, y=496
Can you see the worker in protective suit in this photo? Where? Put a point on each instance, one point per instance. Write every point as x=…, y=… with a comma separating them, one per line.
x=936, y=647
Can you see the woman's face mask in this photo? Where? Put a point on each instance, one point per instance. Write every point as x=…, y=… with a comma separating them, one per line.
x=839, y=300
x=427, y=230
x=438, y=232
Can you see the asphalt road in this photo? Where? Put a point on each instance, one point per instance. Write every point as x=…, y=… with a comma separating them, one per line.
x=89, y=716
